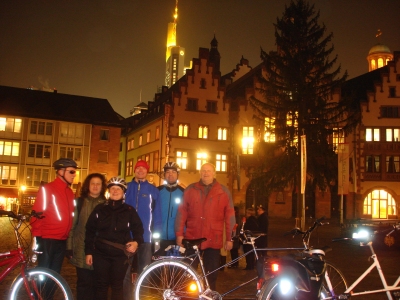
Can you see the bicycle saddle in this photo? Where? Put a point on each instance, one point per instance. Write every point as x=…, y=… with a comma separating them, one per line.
x=190, y=243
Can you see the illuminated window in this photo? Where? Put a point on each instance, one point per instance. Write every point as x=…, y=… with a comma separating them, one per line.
x=148, y=137
x=337, y=138
x=373, y=64
x=222, y=134
x=372, y=164
x=129, y=167
x=140, y=140
x=8, y=175
x=392, y=134
x=203, y=132
x=34, y=176
x=9, y=148
x=131, y=144
x=71, y=152
x=248, y=140
x=372, y=135
x=201, y=158
x=221, y=162
x=70, y=130
x=10, y=124
x=379, y=204
x=182, y=159
x=183, y=130
x=291, y=121
x=269, y=130
x=157, y=132
x=392, y=164
x=380, y=62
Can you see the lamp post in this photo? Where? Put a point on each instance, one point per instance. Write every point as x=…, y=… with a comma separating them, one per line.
x=21, y=200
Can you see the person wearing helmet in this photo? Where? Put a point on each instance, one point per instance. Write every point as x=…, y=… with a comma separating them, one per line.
x=145, y=198
x=56, y=200
x=112, y=229
x=171, y=194
x=92, y=193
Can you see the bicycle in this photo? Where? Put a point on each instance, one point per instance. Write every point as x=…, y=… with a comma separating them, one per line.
x=33, y=282
x=321, y=279
x=174, y=277
x=365, y=239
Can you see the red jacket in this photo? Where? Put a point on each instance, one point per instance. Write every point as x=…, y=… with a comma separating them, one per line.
x=56, y=200
x=205, y=216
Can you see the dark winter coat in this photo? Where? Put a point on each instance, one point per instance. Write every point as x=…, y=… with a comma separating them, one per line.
x=116, y=222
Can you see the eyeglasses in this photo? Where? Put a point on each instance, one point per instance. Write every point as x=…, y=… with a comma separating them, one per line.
x=72, y=172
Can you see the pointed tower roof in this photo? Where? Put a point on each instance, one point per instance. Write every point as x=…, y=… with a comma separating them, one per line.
x=214, y=56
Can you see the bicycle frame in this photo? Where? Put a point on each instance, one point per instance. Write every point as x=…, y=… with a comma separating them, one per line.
x=387, y=288
x=11, y=260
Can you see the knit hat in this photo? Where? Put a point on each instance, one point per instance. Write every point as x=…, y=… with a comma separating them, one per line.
x=142, y=163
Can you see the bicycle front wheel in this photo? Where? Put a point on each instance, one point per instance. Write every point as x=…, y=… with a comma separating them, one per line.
x=42, y=283
x=168, y=279
x=333, y=283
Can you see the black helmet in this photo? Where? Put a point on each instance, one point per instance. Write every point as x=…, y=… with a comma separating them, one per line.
x=117, y=181
x=171, y=166
x=64, y=163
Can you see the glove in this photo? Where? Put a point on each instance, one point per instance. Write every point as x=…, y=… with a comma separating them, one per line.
x=68, y=253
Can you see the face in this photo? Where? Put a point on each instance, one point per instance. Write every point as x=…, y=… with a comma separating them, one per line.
x=171, y=176
x=95, y=187
x=207, y=173
x=259, y=211
x=140, y=173
x=68, y=174
x=116, y=192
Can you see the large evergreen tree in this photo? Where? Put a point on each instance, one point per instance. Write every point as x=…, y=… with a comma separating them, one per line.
x=296, y=87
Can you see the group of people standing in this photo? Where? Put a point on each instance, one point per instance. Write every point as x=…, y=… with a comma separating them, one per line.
x=100, y=235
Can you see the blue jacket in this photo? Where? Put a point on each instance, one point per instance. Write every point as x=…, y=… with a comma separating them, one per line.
x=145, y=198
x=170, y=197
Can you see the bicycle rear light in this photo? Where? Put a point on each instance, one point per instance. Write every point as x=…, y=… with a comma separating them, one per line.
x=275, y=267
x=193, y=287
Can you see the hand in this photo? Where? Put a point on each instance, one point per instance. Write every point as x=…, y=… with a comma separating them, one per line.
x=68, y=253
x=131, y=247
x=179, y=240
x=89, y=260
x=228, y=245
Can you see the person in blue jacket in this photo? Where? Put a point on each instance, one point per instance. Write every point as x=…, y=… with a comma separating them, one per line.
x=144, y=197
x=171, y=194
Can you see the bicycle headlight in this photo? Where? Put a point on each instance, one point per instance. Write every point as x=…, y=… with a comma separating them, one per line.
x=286, y=286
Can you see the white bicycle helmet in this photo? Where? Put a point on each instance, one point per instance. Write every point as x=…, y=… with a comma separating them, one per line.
x=117, y=181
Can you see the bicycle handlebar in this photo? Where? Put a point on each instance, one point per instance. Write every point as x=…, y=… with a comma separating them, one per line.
x=20, y=217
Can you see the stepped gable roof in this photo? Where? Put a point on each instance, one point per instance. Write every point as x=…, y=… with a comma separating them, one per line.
x=361, y=85
x=29, y=103
x=238, y=87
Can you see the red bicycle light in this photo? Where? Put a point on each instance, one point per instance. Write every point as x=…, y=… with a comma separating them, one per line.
x=275, y=267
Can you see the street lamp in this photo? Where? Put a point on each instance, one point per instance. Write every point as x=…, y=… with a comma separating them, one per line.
x=21, y=200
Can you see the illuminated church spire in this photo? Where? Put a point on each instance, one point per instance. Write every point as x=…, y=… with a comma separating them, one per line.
x=175, y=55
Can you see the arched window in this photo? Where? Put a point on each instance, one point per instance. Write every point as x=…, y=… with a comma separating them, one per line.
x=379, y=204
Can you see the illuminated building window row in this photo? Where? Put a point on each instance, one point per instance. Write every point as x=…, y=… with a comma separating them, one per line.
x=203, y=132
x=220, y=160
x=9, y=148
x=374, y=134
x=10, y=125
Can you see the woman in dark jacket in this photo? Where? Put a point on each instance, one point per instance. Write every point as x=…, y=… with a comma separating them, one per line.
x=252, y=225
x=112, y=228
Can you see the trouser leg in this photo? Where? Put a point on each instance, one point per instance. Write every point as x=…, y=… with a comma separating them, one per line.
x=85, y=284
x=102, y=272
x=211, y=259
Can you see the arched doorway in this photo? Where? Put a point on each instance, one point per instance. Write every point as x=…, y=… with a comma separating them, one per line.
x=379, y=204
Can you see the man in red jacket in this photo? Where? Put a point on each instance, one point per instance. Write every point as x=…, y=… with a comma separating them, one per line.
x=206, y=211
x=56, y=200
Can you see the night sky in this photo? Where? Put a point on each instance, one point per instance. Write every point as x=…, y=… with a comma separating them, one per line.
x=116, y=49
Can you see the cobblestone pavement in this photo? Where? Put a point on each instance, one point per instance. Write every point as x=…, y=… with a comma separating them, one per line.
x=351, y=260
